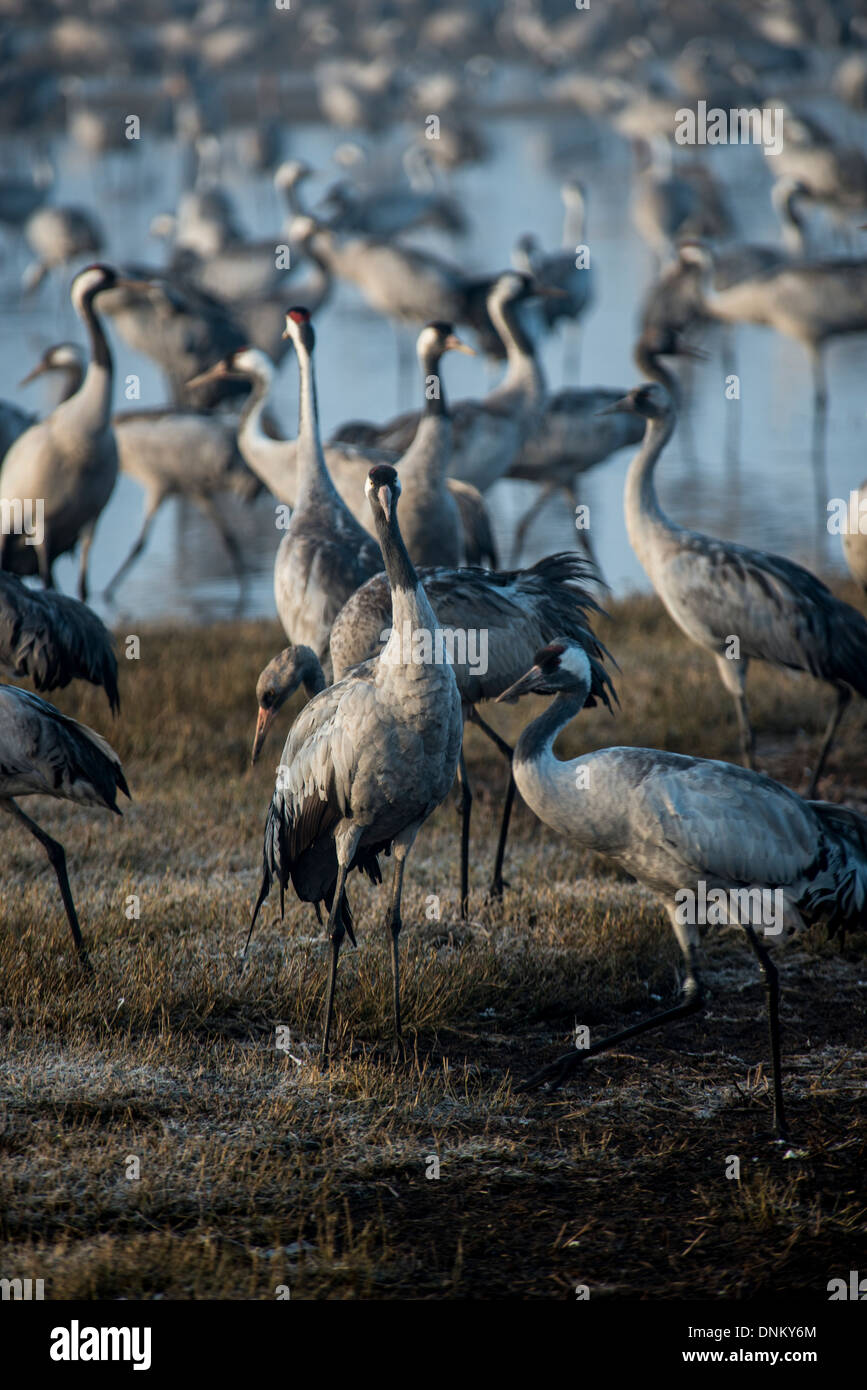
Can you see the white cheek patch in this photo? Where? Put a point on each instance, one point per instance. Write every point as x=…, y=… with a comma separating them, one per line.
x=84, y=284
x=577, y=663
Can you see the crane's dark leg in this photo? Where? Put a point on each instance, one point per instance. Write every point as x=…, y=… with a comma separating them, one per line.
x=209, y=507
x=747, y=733
x=336, y=930
x=556, y=1072
x=466, y=808
x=497, y=882
x=820, y=403
x=528, y=518
x=401, y=848
x=733, y=674
x=772, y=991
x=57, y=857
x=43, y=564
x=86, y=542
x=844, y=695
x=153, y=507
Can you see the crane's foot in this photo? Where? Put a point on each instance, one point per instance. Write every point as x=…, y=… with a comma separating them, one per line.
x=554, y=1074
x=495, y=892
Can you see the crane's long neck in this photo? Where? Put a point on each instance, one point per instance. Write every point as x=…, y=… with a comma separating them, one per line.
x=574, y=222
x=794, y=227
x=549, y=786
x=523, y=373
x=427, y=457
x=409, y=602
x=274, y=461
x=313, y=479
x=645, y=519
x=93, y=397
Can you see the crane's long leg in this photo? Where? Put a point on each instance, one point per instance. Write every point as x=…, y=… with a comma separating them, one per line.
x=497, y=882
x=336, y=930
x=844, y=695
x=733, y=674
x=153, y=506
x=57, y=857
x=547, y=490
x=208, y=506
x=772, y=991
x=401, y=848
x=466, y=808
x=86, y=538
x=820, y=401
x=557, y=1072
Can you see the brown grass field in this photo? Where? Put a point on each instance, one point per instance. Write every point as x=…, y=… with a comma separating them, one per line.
x=259, y=1170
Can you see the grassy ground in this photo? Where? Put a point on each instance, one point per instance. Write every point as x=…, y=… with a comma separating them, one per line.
x=256, y=1170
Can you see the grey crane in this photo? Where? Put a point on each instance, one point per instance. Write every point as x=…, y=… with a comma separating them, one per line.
x=678, y=825
x=494, y=622
x=274, y=461
x=324, y=555
x=58, y=235
x=170, y=453
x=813, y=302
x=45, y=753
x=487, y=435
x=671, y=202
x=563, y=270
x=367, y=761
x=53, y=639
x=68, y=461
x=739, y=604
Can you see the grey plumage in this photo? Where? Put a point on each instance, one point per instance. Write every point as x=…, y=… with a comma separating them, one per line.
x=716, y=591
x=683, y=825
x=53, y=639
x=366, y=762
x=45, y=753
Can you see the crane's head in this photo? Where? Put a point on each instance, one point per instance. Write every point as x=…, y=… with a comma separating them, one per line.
x=652, y=402
x=437, y=338
x=279, y=681
x=299, y=328
x=247, y=362
x=63, y=357
x=694, y=253
x=561, y=666
x=95, y=279
x=383, y=489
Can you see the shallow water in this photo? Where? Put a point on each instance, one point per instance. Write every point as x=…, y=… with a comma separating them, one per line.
x=772, y=497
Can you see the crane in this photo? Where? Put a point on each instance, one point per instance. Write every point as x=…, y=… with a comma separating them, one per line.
x=683, y=825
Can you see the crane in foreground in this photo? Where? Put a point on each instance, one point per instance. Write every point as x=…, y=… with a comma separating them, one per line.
x=682, y=826
x=367, y=761
x=493, y=624
x=739, y=604
x=45, y=753
x=53, y=639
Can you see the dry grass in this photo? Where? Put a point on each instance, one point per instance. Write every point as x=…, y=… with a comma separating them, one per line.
x=257, y=1170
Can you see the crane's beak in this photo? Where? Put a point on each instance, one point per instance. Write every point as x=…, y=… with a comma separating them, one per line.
x=263, y=724
x=548, y=292
x=621, y=407
x=210, y=374
x=38, y=370
x=124, y=283
x=458, y=345
x=523, y=686
x=384, y=495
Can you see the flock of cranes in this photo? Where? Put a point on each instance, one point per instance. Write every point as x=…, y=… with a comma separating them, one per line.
x=388, y=569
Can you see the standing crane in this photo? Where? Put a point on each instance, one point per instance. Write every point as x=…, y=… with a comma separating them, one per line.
x=515, y=612
x=324, y=555
x=68, y=461
x=737, y=603
x=368, y=759
x=676, y=823
x=45, y=753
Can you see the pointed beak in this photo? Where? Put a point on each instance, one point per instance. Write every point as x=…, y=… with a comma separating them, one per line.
x=38, y=370
x=122, y=283
x=523, y=686
x=457, y=344
x=549, y=292
x=621, y=407
x=263, y=724
x=210, y=374
x=384, y=495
